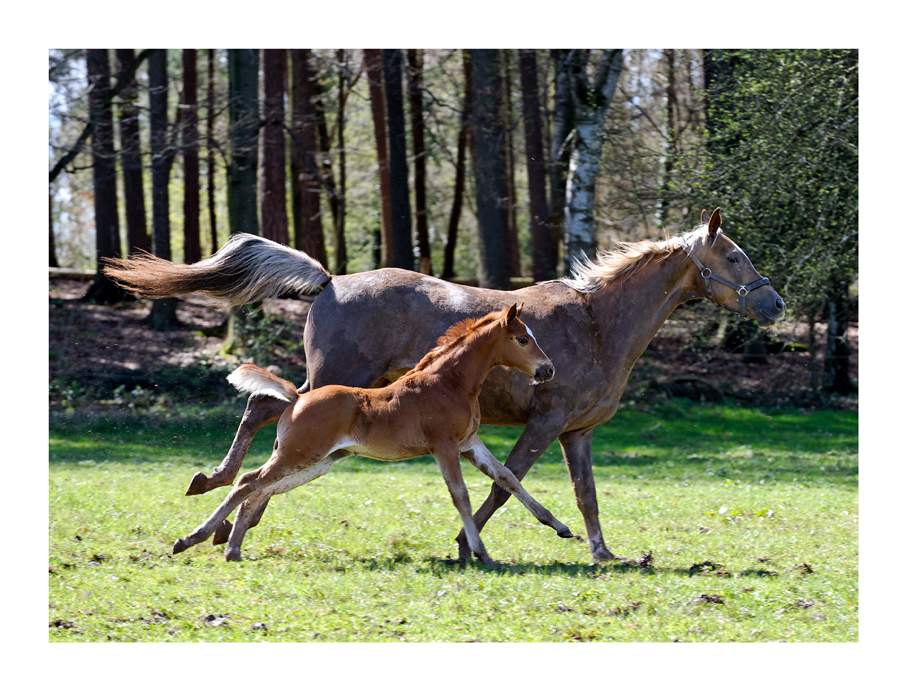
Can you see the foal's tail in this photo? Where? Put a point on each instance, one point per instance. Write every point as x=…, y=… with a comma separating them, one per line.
x=246, y=269
x=257, y=380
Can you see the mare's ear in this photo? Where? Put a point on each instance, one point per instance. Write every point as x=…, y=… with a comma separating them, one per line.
x=512, y=314
x=714, y=222
x=704, y=217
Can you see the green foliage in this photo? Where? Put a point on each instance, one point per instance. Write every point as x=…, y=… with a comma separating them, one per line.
x=783, y=154
x=751, y=518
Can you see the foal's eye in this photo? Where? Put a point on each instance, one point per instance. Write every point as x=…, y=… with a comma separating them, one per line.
x=522, y=341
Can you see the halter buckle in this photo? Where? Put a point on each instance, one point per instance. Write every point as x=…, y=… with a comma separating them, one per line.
x=706, y=272
x=742, y=291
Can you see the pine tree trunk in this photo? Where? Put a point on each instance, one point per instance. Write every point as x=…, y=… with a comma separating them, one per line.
x=163, y=311
x=513, y=243
x=836, y=374
x=401, y=214
x=52, y=261
x=273, y=196
x=374, y=71
x=104, y=173
x=463, y=141
x=307, y=190
x=211, y=169
x=591, y=101
x=137, y=237
x=544, y=266
x=340, y=258
x=667, y=181
x=192, y=247
x=414, y=58
x=242, y=173
x=488, y=164
x=561, y=146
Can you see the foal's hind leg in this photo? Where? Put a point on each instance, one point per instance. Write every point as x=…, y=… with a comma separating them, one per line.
x=485, y=461
x=261, y=410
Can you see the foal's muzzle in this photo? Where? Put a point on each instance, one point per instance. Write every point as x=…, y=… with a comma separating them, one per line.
x=543, y=373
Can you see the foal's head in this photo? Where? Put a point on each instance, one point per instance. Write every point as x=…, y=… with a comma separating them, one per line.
x=520, y=350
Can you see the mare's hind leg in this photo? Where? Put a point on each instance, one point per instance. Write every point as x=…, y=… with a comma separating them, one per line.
x=448, y=460
x=261, y=410
x=484, y=460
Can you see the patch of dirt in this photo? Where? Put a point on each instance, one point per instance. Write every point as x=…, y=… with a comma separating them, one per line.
x=101, y=347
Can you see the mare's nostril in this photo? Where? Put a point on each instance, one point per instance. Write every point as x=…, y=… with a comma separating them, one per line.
x=779, y=303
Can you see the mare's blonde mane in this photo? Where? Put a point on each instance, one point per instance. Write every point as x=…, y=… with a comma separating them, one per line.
x=590, y=275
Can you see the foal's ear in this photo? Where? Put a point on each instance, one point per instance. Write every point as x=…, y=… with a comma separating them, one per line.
x=519, y=309
x=512, y=314
x=714, y=222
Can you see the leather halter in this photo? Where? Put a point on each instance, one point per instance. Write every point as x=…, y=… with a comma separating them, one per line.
x=741, y=290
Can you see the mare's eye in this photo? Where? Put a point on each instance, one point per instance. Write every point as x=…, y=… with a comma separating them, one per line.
x=732, y=259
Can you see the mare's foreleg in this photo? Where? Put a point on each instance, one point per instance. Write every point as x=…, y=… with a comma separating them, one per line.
x=261, y=410
x=448, y=460
x=479, y=455
x=577, y=449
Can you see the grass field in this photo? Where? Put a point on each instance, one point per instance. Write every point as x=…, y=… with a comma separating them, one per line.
x=751, y=518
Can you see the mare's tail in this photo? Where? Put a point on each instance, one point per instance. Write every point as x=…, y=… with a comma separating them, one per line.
x=246, y=269
x=257, y=380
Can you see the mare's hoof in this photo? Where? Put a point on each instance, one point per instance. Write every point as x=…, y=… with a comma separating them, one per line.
x=232, y=555
x=222, y=534
x=565, y=533
x=199, y=485
x=180, y=546
x=606, y=555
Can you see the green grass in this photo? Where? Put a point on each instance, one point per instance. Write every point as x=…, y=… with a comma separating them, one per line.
x=767, y=497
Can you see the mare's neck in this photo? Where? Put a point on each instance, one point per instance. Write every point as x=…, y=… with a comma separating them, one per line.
x=633, y=310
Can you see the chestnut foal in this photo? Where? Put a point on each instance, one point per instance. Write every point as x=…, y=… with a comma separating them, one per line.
x=432, y=409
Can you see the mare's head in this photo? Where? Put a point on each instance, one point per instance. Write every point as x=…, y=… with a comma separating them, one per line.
x=519, y=348
x=722, y=262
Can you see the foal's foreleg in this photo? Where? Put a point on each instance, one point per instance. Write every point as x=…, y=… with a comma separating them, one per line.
x=261, y=410
x=484, y=460
x=449, y=462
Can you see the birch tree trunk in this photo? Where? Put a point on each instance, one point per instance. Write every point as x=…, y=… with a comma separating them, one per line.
x=591, y=100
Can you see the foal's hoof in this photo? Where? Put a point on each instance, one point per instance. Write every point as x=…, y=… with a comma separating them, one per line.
x=199, y=485
x=222, y=534
x=180, y=546
x=565, y=532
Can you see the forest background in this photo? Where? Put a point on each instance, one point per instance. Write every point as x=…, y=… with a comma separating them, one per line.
x=497, y=167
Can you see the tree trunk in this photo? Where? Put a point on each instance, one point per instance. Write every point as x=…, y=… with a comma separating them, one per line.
x=667, y=182
x=463, y=141
x=323, y=148
x=340, y=258
x=104, y=173
x=414, y=58
x=401, y=216
x=561, y=146
x=192, y=248
x=273, y=196
x=373, y=69
x=242, y=172
x=544, y=266
x=591, y=101
x=488, y=168
x=209, y=122
x=163, y=311
x=137, y=237
x=836, y=374
x=52, y=262
x=307, y=190
x=513, y=243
